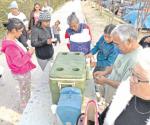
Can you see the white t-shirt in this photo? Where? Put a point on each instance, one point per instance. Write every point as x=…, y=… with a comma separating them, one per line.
x=81, y=37
x=21, y=17
x=48, y=8
x=21, y=45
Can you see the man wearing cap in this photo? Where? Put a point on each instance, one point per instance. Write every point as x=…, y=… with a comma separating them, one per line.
x=15, y=13
x=41, y=39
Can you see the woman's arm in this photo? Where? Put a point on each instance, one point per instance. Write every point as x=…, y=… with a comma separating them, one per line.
x=17, y=59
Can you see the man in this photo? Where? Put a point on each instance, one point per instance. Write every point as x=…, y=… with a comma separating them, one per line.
x=131, y=104
x=47, y=8
x=125, y=37
x=15, y=13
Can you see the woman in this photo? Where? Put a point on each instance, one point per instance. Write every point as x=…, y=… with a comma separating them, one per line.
x=18, y=59
x=131, y=104
x=79, y=35
x=105, y=49
x=34, y=16
x=41, y=39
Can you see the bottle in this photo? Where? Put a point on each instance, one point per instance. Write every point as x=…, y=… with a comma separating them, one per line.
x=89, y=69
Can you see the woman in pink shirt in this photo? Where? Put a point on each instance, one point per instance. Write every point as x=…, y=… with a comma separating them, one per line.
x=18, y=59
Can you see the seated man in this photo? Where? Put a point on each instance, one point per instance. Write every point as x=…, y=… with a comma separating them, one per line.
x=125, y=37
x=131, y=104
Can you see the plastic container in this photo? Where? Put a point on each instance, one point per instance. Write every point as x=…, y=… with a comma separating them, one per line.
x=69, y=69
x=69, y=105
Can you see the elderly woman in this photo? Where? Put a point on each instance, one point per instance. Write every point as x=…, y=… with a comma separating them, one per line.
x=79, y=35
x=125, y=37
x=105, y=50
x=131, y=104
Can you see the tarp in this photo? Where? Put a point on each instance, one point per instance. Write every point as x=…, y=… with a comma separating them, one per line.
x=136, y=6
x=132, y=18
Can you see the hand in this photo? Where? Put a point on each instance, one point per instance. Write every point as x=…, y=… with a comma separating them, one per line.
x=140, y=90
x=31, y=50
x=99, y=73
x=29, y=31
x=49, y=41
x=100, y=80
x=89, y=55
x=93, y=64
x=147, y=40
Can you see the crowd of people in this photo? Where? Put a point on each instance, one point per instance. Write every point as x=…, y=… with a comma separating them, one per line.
x=122, y=68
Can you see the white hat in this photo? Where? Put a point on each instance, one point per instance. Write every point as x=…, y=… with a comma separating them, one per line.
x=13, y=4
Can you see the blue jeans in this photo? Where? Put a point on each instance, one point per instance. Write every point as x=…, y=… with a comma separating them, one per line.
x=57, y=36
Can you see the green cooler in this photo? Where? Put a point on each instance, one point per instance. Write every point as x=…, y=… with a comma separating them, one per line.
x=69, y=69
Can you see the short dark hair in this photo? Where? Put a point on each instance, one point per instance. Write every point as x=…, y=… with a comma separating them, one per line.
x=14, y=23
x=108, y=29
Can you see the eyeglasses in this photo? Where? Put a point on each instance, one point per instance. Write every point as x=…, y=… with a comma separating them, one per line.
x=137, y=77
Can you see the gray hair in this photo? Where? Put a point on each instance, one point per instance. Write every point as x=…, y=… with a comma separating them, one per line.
x=125, y=32
x=72, y=18
x=143, y=59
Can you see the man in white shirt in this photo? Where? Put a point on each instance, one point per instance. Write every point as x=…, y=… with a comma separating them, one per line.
x=47, y=8
x=15, y=13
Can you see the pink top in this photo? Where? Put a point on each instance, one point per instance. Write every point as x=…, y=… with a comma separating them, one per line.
x=18, y=60
x=36, y=18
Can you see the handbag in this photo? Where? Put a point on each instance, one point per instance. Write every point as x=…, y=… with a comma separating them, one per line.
x=90, y=117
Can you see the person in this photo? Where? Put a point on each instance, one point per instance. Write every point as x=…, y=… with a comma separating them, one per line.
x=47, y=8
x=34, y=15
x=145, y=41
x=56, y=30
x=131, y=103
x=41, y=39
x=78, y=34
x=125, y=37
x=15, y=13
x=105, y=49
x=18, y=59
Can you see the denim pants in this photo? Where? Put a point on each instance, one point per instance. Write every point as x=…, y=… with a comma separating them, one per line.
x=57, y=36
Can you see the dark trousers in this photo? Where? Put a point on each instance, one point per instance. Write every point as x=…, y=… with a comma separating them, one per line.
x=57, y=36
